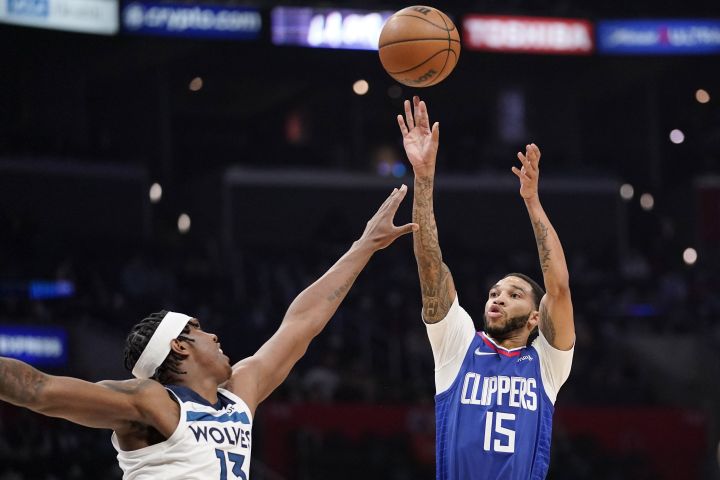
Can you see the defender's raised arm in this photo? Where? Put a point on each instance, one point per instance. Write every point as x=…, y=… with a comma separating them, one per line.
x=254, y=378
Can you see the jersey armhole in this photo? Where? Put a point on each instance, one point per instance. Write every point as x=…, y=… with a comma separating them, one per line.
x=235, y=398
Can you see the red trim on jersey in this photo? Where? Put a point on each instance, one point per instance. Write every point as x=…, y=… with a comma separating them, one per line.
x=497, y=349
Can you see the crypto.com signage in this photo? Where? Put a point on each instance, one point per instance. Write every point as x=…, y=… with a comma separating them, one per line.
x=528, y=34
x=191, y=20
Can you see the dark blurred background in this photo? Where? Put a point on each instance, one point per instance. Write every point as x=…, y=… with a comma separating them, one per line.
x=220, y=177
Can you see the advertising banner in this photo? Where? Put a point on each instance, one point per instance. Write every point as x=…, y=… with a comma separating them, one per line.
x=682, y=37
x=528, y=34
x=41, y=346
x=192, y=21
x=327, y=28
x=87, y=16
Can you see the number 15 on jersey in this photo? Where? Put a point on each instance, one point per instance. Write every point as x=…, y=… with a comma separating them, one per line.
x=504, y=438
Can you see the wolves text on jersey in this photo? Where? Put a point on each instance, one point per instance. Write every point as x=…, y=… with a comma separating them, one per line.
x=222, y=436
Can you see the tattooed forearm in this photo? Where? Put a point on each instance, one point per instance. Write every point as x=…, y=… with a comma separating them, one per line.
x=20, y=384
x=340, y=292
x=547, y=327
x=435, y=278
x=541, y=235
x=437, y=299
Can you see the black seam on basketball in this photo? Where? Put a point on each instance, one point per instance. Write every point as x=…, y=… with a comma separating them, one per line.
x=428, y=21
x=422, y=63
x=439, y=79
x=446, y=56
x=415, y=40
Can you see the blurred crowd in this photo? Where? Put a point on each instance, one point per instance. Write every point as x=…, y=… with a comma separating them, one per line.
x=374, y=351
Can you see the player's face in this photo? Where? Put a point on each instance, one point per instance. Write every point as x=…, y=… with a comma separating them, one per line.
x=510, y=303
x=207, y=352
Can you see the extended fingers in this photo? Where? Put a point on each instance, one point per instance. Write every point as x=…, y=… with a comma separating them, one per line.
x=522, y=175
x=403, y=128
x=524, y=160
x=533, y=154
x=409, y=115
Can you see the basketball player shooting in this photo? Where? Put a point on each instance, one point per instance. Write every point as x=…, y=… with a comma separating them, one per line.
x=188, y=414
x=495, y=389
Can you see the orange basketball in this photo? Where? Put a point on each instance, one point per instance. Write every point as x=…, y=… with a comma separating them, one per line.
x=419, y=46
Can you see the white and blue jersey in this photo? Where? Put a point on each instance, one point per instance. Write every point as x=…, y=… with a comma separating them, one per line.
x=493, y=406
x=211, y=442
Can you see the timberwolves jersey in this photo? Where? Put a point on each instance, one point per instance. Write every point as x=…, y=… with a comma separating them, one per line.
x=211, y=442
x=494, y=406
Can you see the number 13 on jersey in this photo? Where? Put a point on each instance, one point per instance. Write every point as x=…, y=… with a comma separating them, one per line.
x=504, y=440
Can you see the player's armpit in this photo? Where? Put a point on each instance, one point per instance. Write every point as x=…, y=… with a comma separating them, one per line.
x=556, y=320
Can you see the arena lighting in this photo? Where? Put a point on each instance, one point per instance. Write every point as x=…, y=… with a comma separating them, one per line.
x=690, y=256
x=196, y=84
x=155, y=192
x=183, y=223
x=702, y=96
x=361, y=87
x=647, y=202
x=677, y=136
x=627, y=192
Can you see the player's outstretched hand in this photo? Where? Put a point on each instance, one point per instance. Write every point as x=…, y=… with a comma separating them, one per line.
x=529, y=174
x=380, y=230
x=420, y=140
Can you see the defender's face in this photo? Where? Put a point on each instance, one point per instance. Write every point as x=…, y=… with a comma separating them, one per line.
x=207, y=352
x=509, y=298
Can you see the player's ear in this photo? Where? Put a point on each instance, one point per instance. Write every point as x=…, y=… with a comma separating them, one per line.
x=533, y=319
x=178, y=346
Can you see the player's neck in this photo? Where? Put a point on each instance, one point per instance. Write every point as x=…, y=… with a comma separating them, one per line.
x=203, y=385
x=513, y=340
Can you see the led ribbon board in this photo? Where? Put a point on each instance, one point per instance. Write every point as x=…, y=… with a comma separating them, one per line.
x=40, y=346
x=528, y=34
x=191, y=20
x=679, y=37
x=327, y=28
x=86, y=16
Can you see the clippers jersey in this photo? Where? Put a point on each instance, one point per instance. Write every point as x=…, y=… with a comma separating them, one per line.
x=494, y=415
x=211, y=442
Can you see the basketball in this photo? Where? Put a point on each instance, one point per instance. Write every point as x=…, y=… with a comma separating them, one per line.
x=419, y=46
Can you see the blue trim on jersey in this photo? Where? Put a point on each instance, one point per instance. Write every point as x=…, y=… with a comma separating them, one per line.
x=186, y=394
x=501, y=397
x=226, y=417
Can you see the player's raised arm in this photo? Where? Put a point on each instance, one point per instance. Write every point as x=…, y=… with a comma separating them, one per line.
x=556, y=311
x=255, y=377
x=112, y=405
x=421, y=145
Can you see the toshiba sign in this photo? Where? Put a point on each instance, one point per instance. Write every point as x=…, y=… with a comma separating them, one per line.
x=528, y=34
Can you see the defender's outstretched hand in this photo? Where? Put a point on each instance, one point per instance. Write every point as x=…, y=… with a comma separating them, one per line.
x=419, y=139
x=529, y=174
x=380, y=230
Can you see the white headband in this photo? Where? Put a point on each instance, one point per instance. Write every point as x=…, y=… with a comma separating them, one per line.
x=158, y=348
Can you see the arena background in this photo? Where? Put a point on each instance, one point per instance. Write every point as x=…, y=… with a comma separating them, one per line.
x=268, y=163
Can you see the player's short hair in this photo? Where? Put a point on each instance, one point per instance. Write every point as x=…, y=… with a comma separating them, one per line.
x=538, y=293
x=138, y=339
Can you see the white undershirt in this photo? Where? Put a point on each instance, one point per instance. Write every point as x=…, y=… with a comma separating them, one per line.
x=451, y=337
